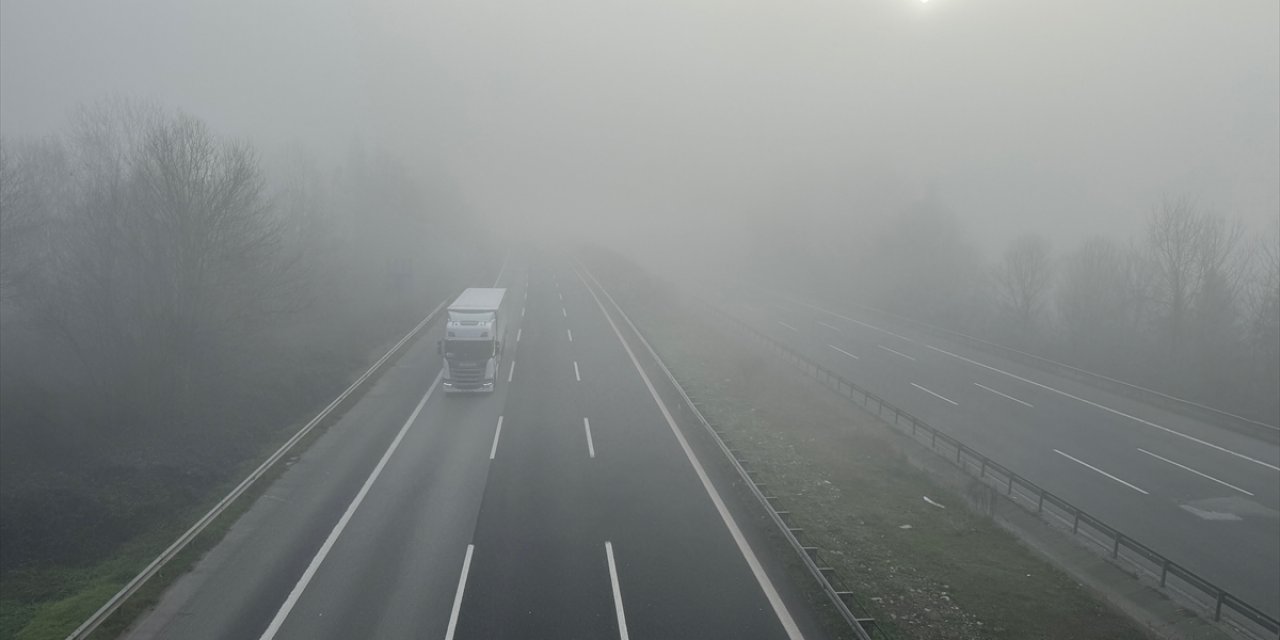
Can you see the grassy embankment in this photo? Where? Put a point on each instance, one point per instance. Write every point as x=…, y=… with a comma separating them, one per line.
x=921, y=571
x=49, y=600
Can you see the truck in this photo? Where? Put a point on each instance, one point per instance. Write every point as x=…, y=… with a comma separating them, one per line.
x=472, y=345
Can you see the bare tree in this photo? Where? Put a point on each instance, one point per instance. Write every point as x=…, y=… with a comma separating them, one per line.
x=1023, y=280
x=1093, y=298
x=1263, y=318
x=167, y=262
x=1193, y=254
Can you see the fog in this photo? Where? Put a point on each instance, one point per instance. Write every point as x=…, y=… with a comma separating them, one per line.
x=214, y=214
x=667, y=122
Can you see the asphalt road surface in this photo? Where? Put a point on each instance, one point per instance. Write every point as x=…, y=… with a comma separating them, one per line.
x=1204, y=496
x=563, y=505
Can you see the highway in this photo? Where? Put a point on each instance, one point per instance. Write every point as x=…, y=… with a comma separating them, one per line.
x=1206, y=497
x=564, y=505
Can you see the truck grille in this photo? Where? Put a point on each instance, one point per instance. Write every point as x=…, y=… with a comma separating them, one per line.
x=467, y=377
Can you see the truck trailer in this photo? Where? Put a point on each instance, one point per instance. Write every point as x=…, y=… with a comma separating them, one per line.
x=472, y=346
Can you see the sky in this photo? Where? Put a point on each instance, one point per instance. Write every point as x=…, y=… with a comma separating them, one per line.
x=666, y=120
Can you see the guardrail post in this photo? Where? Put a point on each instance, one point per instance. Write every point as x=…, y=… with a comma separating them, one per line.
x=1010, y=492
x=983, y=472
x=1115, y=547
x=933, y=439
x=1217, y=610
x=1040, y=502
x=1164, y=571
x=1075, y=524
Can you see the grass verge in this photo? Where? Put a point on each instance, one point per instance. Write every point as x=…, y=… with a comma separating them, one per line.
x=48, y=603
x=923, y=571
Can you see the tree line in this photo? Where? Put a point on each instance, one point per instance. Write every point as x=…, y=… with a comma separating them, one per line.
x=1189, y=306
x=171, y=301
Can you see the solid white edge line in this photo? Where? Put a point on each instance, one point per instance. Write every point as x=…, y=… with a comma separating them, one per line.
x=936, y=395
x=1082, y=462
x=577, y=376
x=502, y=269
x=512, y=371
x=457, y=598
x=591, y=447
x=896, y=353
x=1199, y=473
x=788, y=326
x=617, y=591
x=316, y=561
x=1004, y=395
x=496, y=434
x=843, y=351
x=1109, y=409
x=757, y=570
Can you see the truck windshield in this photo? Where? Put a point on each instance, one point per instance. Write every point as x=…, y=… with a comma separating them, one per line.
x=468, y=349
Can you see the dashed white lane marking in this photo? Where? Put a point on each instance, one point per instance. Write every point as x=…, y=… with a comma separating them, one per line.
x=560, y=295
x=843, y=351
x=896, y=353
x=1086, y=464
x=316, y=561
x=617, y=591
x=570, y=332
x=591, y=447
x=1109, y=409
x=936, y=395
x=757, y=570
x=512, y=371
x=829, y=326
x=457, y=598
x=1199, y=473
x=522, y=312
x=496, y=434
x=519, y=332
x=563, y=312
x=788, y=326
x=1003, y=395
x=577, y=376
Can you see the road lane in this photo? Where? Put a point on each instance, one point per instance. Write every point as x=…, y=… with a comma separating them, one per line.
x=559, y=506
x=1207, y=526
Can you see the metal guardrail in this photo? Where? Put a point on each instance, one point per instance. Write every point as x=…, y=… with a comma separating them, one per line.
x=1175, y=404
x=103, y=613
x=671, y=390
x=1188, y=587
